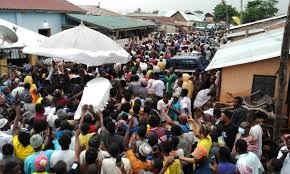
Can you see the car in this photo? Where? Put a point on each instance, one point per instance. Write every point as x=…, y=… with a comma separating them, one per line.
x=187, y=63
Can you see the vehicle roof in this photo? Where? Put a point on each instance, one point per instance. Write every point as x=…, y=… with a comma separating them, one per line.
x=186, y=56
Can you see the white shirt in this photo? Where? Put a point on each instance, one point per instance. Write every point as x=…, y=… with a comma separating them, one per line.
x=162, y=105
x=50, y=117
x=251, y=162
x=156, y=69
x=66, y=155
x=143, y=66
x=109, y=166
x=286, y=164
x=158, y=87
x=150, y=82
x=257, y=132
x=185, y=103
x=5, y=139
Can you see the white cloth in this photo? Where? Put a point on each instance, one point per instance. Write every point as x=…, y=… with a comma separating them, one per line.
x=201, y=98
x=249, y=163
x=143, y=66
x=101, y=155
x=18, y=90
x=49, y=112
x=158, y=87
x=185, y=103
x=72, y=144
x=66, y=155
x=257, y=132
x=109, y=166
x=156, y=69
x=150, y=82
x=5, y=139
x=286, y=164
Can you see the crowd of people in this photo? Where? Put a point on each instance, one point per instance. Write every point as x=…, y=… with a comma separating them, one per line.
x=156, y=121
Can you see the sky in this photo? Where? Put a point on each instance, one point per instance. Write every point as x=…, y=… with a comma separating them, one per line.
x=125, y=6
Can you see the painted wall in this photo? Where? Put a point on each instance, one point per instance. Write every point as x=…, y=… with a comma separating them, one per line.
x=238, y=79
x=35, y=20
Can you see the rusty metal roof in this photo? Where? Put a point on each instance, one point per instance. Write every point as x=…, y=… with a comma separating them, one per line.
x=42, y=5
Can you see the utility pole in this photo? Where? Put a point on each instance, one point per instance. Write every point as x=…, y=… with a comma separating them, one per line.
x=241, y=14
x=227, y=14
x=282, y=76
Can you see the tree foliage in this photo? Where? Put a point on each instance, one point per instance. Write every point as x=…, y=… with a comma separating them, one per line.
x=259, y=9
x=220, y=12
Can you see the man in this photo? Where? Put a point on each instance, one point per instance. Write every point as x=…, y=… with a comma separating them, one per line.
x=155, y=129
x=229, y=130
x=171, y=80
x=256, y=131
x=240, y=113
x=36, y=142
x=25, y=96
x=248, y=162
x=158, y=86
x=4, y=137
x=185, y=102
x=284, y=156
x=164, y=103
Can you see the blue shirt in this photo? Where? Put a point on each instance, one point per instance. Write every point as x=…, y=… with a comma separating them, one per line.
x=184, y=127
x=173, y=114
x=29, y=166
x=226, y=168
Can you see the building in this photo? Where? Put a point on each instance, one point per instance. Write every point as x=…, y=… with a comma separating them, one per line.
x=98, y=11
x=209, y=18
x=242, y=34
x=250, y=65
x=42, y=16
x=165, y=24
x=264, y=23
x=117, y=27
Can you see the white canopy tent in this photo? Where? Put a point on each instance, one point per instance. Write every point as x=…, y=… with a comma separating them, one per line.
x=260, y=47
x=25, y=37
x=81, y=45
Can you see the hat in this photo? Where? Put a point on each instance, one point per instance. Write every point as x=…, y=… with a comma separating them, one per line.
x=199, y=152
x=40, y=163
x=3, y=122
x=151, y=91
x=176, y=95
x=36, y=141
x=62, y=114
x=145, y=149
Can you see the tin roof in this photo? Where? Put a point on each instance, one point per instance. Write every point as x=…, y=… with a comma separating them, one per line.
x=42, y=5
x=97, y=11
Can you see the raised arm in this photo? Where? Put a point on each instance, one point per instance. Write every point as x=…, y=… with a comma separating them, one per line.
x=127, y=135
x=77, y=146
x=84, y=109
x=15, y=128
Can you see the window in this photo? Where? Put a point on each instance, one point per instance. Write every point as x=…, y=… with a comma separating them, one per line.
x=263, y=83
x=44, y=32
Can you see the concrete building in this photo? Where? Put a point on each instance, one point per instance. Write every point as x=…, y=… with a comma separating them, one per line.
x=42, y=16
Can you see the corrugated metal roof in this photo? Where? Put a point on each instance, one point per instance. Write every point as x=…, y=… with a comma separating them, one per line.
x=45, y=5
x=160, y=19
x=112, y=22
x=95, y=10
x=259, y=21
x=241, y=33
x=252, y=49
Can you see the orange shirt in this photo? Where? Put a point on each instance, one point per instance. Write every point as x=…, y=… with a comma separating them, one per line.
x=136, y=164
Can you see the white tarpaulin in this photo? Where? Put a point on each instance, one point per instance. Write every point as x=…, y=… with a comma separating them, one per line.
x=81, y=45
x=252, y=49
x=96, y=93
x=25, y=37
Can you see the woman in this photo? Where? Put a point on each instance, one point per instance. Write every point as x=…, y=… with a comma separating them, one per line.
x=244, y=133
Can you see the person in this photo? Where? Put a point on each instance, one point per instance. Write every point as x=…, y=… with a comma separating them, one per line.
x=185, y=102
x=239, y=113
x=187, y=84
x=175, y=108
x=284, y=156
x=25, y=96
x=155, y=129
x=175, y=167
x=171, y=80
x=12, y=167
x=41, y=163
x=158, y=86
x=176, y=151
x=224, y=162
x=164, y=102
x=256, y=131
x=7, y=151
x=204, y=137
x=244, y=130
x=247, y=162
x=4, y=137
x=36, y=141
x=64, y=154
x=229, y=130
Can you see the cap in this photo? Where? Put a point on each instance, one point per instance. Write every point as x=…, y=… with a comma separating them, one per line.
x=176, y=95
x=62, y=114
x=145, y=149
x=36, y=141
x=3, y=122
x=41, y=162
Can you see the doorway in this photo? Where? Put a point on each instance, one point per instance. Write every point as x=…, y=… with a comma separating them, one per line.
x=45, y=32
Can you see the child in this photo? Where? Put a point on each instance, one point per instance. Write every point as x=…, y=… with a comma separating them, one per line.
x=40, y=164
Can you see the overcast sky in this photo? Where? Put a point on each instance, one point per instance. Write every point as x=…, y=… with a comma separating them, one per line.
x=125, y=6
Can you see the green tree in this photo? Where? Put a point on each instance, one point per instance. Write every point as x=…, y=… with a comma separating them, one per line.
x=220, y=12
x=259, y=9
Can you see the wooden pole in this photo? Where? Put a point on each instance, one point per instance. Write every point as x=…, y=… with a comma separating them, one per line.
x=227, y=14
x=282, y=77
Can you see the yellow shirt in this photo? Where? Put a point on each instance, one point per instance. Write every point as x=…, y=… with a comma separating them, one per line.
x=206, y=143
x=174, y=168
x=161, y=65
x=20, y=151
x=84, y=140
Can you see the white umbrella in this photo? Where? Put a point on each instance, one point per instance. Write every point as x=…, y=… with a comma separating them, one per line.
x=81, y=45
